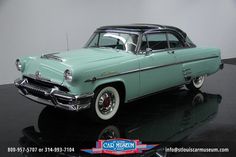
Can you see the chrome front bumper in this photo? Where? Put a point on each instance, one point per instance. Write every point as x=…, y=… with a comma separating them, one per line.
x=53, y=96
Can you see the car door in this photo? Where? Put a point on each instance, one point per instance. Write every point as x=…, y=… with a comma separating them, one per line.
x=158, y=69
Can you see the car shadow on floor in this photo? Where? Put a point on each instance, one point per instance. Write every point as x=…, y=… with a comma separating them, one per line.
x=164, y=119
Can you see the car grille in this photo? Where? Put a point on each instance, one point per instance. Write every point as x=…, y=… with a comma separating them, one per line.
x=36, y=90
x=41, y=84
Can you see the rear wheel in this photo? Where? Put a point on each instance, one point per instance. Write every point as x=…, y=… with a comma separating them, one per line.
x=105, y=103
x=196, y=83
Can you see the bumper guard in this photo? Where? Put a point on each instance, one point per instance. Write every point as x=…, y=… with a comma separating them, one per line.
x=53, y=96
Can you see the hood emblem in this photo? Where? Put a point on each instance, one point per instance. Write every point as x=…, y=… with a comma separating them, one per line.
x=37, y=75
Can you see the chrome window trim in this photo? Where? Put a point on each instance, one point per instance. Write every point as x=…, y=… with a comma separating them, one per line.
x=166, y=31
x=115, y=31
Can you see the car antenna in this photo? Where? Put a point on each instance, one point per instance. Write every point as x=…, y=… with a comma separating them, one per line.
x=67, y=42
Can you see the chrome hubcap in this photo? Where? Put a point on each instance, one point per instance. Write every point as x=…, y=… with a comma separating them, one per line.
x=106, y=102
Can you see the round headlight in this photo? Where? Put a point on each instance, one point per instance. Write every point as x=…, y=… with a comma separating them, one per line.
x=18, y=65
x=68, y=75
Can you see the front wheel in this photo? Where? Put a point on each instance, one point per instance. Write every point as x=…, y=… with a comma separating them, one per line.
x=105, y=103
x=196, y=83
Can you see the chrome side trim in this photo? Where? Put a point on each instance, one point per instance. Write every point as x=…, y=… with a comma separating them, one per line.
x=147, y=68
x=103, y=77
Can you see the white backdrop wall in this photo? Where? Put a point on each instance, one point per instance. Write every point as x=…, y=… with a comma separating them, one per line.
x=32, y=27
x=209, y=23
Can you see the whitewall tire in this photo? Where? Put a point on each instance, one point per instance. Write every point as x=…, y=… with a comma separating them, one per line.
x=196, y=83
x=106, y=103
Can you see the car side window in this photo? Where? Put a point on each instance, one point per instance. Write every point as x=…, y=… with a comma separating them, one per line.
x=108, y=41
x=144, y=43
x=157, y=41
x=174, y=41
x=94, y=42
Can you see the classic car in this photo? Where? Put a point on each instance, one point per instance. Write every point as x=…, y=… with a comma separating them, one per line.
x=118, y=64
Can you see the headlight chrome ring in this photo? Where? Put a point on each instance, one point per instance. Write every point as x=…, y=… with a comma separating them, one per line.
x=19, y=65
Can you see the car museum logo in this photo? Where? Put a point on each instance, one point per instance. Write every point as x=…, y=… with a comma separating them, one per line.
x=119, y=147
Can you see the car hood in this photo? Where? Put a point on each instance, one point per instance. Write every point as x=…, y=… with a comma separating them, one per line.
x=52, y=66
x=88, y=55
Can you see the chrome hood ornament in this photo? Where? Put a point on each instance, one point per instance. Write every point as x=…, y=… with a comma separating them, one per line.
x=52, y=56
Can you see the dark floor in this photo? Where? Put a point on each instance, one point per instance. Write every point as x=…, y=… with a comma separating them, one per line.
x=178, y=118
x=230, y=61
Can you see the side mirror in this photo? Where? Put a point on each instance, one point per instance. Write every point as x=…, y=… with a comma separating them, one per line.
x=148, y=51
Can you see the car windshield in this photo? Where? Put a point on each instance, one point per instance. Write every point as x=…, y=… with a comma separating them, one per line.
x=121, y=41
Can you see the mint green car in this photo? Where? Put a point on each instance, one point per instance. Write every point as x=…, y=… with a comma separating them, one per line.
x=118, y=64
